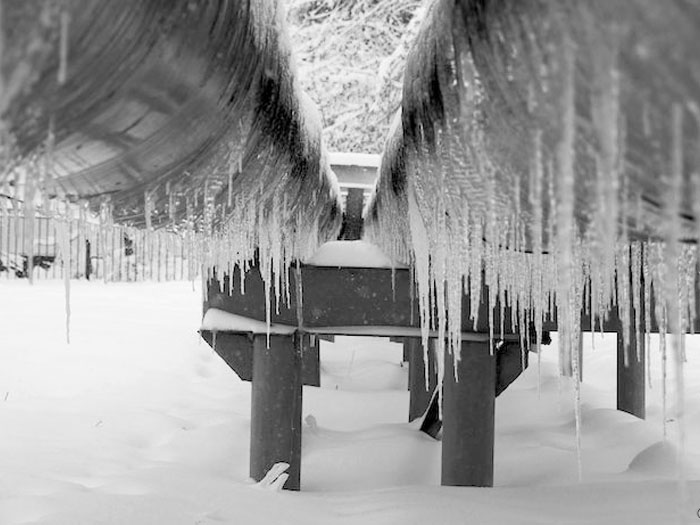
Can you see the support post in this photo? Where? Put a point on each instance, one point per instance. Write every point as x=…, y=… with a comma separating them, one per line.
x=420, y=395
x=275, y=422
x=631, y=383
x=468, y=417
x=311, y=360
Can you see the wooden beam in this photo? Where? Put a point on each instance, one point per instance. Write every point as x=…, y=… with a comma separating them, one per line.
x=468, y=417
x=310, y=360
x=631, y=384
x=420, y=392
x=276, y=401
x=352, y=219
x=371, y=297
x=236, y=349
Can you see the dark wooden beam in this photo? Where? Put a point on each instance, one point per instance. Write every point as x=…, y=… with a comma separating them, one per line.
x=235, y=349
x=276, y=401
x=631, y=384
x=468, y=417
x=310, y=360
x=352, y=219
x=369, y=299
x=420, y=391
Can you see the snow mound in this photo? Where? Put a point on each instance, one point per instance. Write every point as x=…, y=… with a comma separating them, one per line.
x=659, y=459
x=217, y=320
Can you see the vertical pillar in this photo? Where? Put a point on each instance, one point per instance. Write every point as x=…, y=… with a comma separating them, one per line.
x=468, y=417
x=352, y=219
x=88, y=260
x=420, y=392
x=275, y=422
x=631, y=385
x=310, y=360
x=631, y=395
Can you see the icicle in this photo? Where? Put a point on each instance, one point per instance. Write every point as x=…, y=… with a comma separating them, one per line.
x=64, y=247
x=673, y=234
x=419, y=240
x=63, y=51
x=565, y=210
x=646, y=275
x=637, y=297
x=147, y=209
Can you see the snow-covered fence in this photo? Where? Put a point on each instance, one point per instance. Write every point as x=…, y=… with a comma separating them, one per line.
x=110, y=253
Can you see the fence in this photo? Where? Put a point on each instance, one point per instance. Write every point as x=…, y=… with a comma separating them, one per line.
x=111, y=253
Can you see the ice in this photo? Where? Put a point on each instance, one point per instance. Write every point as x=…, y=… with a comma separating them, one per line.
x=565, y=227
x=64, y=246
x=672, y=253
x=63, y=49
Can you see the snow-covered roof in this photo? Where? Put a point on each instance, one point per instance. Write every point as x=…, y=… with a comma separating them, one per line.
x=368, y=160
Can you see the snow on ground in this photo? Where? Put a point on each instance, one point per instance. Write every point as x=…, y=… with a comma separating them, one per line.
x=139, y=422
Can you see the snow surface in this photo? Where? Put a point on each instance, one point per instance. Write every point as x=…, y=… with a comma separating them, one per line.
x=139, y=422
x=341, y=158
x=219, y=320
x=351, y=254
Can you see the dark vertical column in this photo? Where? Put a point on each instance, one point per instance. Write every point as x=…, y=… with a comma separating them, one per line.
x=310, y=361
x=420, y=392
x=352, y=220
x=631, y=395
x=630, y=366
x=275, y=422
x=468, y=417
x=406, y=358
x=88, y=260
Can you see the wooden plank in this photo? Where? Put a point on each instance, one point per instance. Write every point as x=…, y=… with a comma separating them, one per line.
x=371, y=297
x=235, y=349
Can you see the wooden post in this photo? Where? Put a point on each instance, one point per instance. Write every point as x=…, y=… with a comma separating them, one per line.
x=630, y=379
x=311, y=362
x=468, y=417
x=275, y=421
x=88, y=260
x=420, y=392
x=631, y=384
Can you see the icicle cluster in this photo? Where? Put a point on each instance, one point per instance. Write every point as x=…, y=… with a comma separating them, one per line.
x=540, y=181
